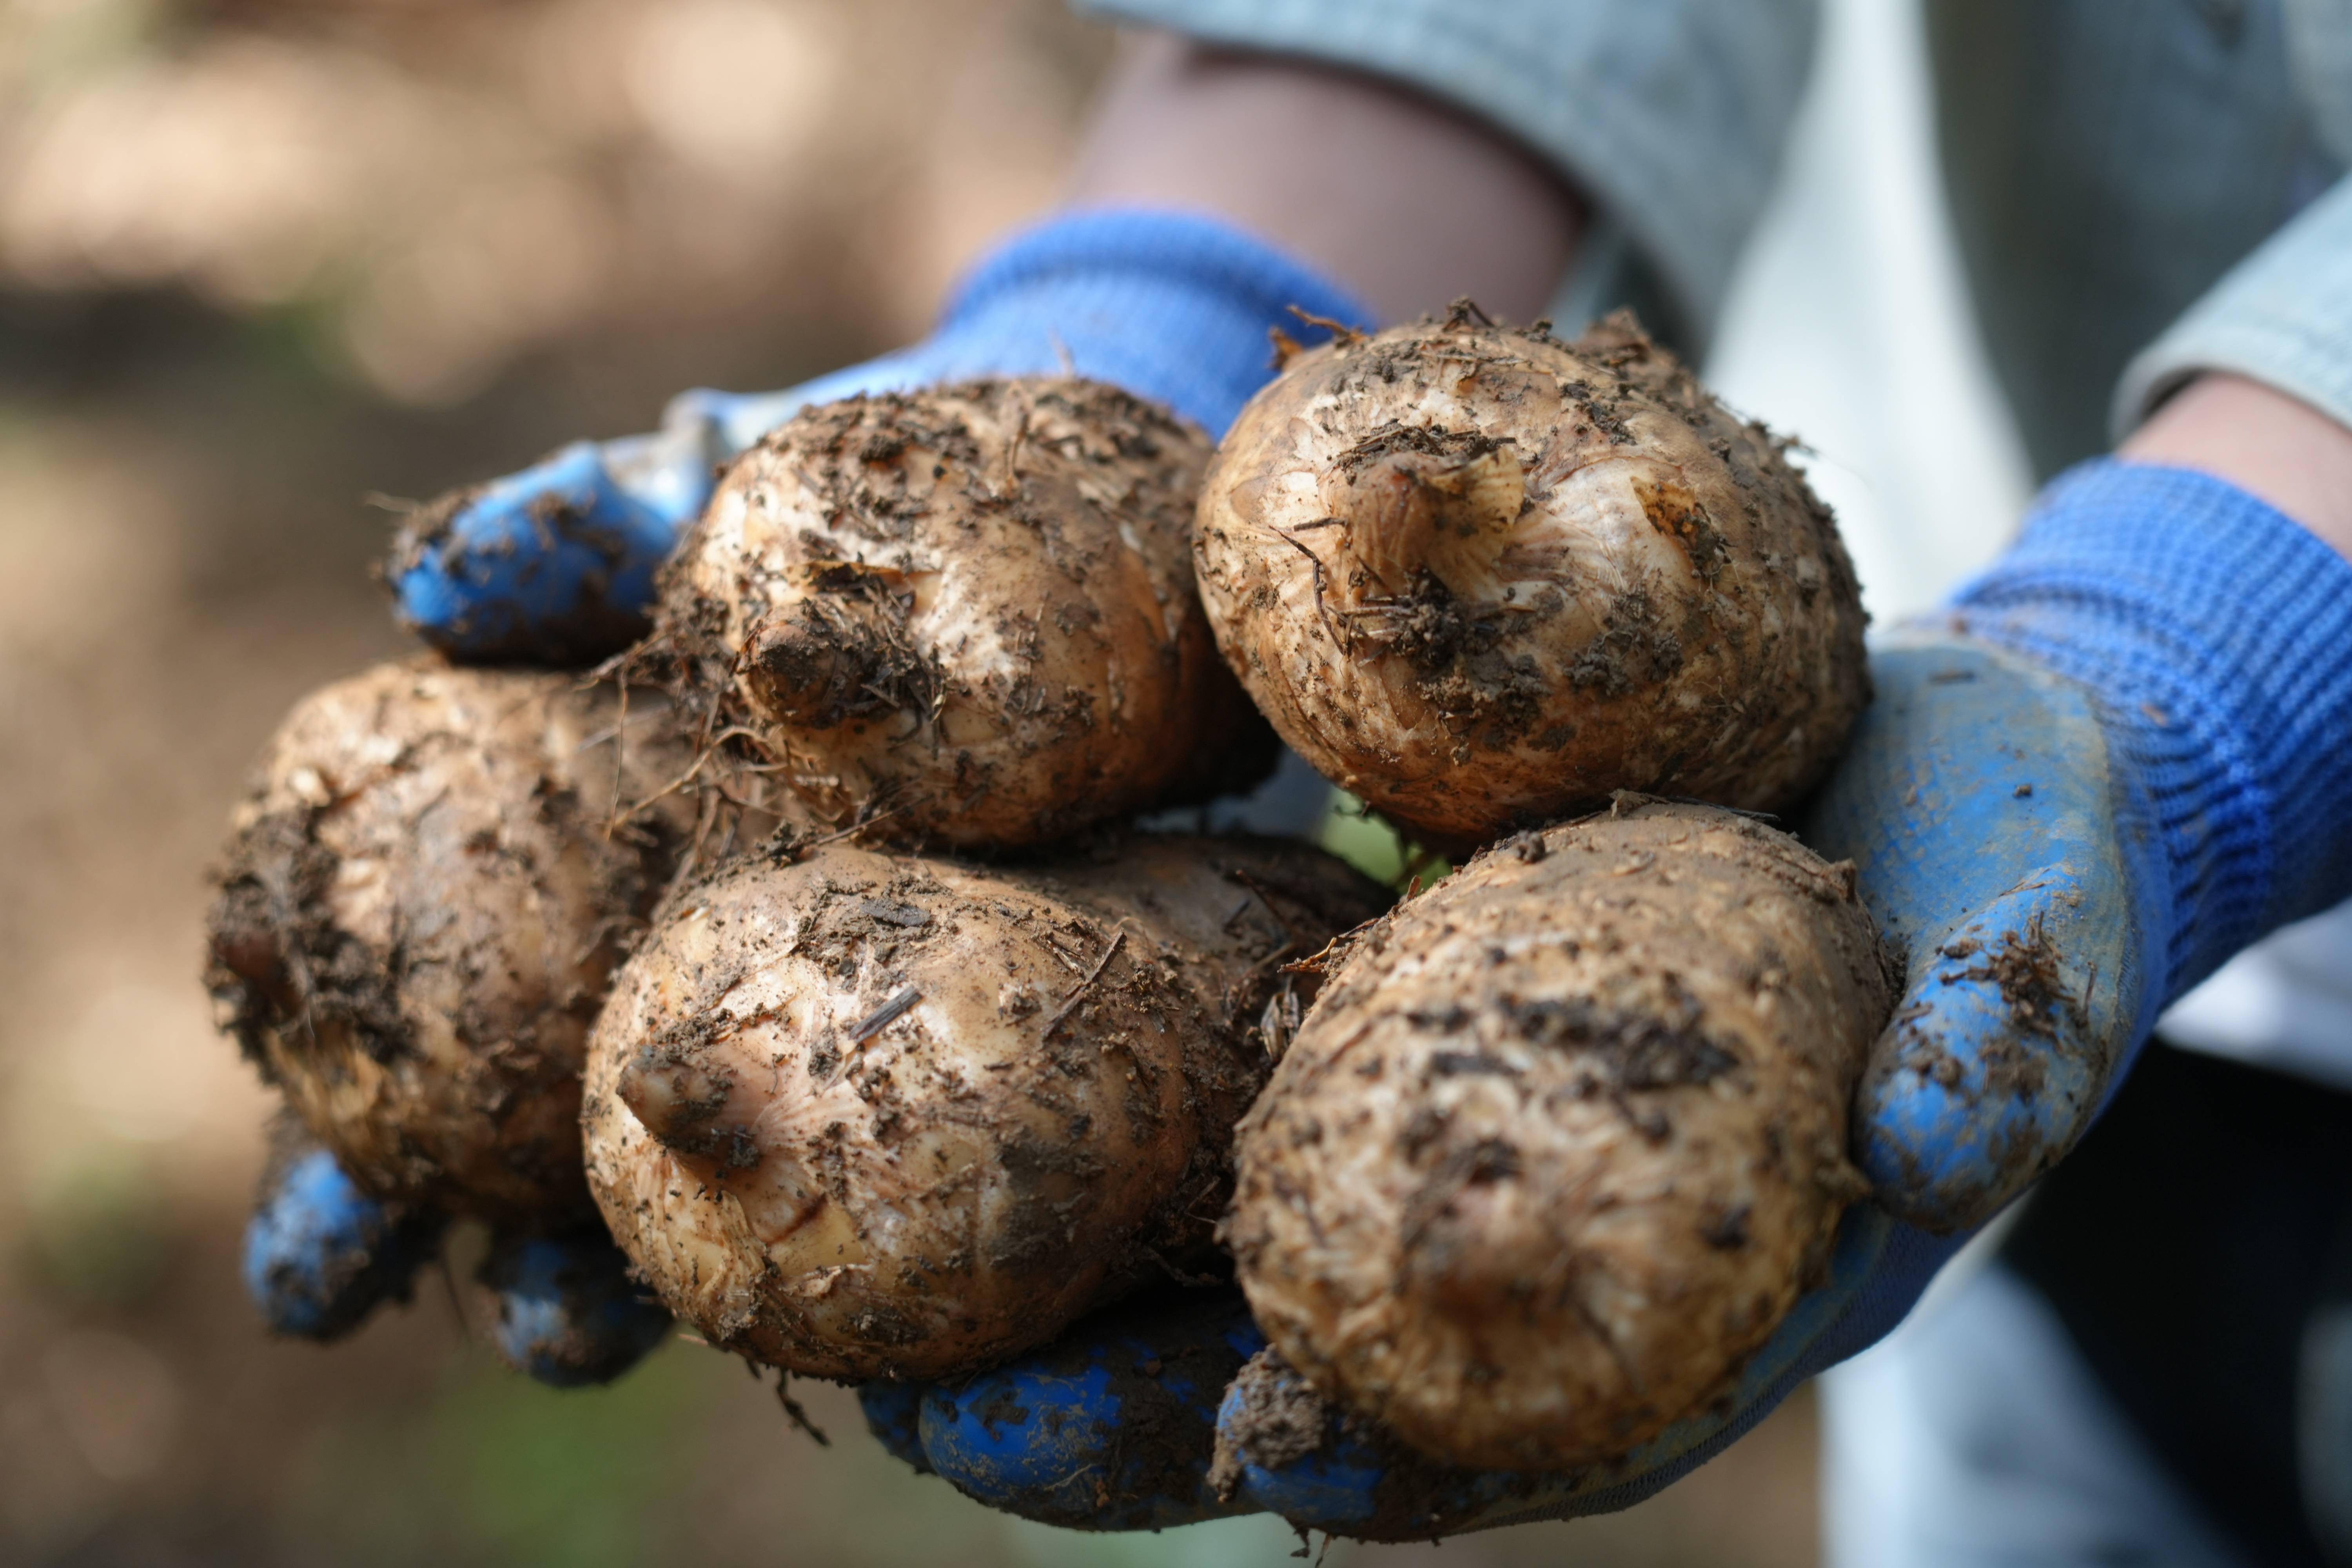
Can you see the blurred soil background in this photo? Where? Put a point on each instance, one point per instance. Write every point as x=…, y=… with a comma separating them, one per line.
x=267, y=269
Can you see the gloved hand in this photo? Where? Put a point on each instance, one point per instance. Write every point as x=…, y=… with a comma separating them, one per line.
x=321, y=1256
x=2119, y=758
x=555, y=564
x=2072, y=799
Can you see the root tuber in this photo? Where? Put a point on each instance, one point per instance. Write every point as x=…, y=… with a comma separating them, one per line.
x=859, y=1116
x=425, y=895
x=1564, y=1137
x=963, y=615
x=1482, y=578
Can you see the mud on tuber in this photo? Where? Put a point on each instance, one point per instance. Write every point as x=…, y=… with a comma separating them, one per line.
x=1563, y=1138
x=425, y=891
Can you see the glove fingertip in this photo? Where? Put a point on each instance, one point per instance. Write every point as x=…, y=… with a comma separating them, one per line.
x=1109, y=1428
x=568, y=1314
x=894, y=1414
x=320, y=1255
x=553, y=566
x=1996, y=1058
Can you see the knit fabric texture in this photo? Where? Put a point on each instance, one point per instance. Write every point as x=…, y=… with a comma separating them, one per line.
x=1169, y=305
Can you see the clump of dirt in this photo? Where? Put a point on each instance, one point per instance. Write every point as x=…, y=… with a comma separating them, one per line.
x=2026, y=966
x=1274, y=1418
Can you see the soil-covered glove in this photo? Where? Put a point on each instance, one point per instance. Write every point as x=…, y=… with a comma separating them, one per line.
x=321, y=1256
x=2120, y=758
x=555, y=564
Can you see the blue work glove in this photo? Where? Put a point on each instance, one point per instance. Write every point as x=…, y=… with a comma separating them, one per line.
x=555, y=564
x=2125, y=753
x=568, y=1313
x=321, y=1256
x=1110, y=1428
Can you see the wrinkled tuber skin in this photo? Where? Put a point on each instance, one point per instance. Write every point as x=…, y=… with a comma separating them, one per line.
x=858, y=1115
x=1481, y=577
x=965, y=615
x=421, y=906
x=1564, y=1137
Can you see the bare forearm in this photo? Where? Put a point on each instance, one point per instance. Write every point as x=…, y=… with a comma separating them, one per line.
x=1405, y=202
x=2264, y=442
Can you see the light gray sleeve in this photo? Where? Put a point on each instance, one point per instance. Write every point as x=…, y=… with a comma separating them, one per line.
x=2283, y=317
x=1669, y=115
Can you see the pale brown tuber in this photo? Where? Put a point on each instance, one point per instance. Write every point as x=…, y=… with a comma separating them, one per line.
x=963, y=615
x=858, y=1115
x=1564, y=1137
x=1481, y=577
x=425, y=892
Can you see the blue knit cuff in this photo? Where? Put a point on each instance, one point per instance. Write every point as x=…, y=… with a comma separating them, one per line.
x=2217, y=635
x=1168, y=305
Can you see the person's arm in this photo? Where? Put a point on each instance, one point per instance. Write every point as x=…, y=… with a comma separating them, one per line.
x=2273, y=446
x=1397, y=198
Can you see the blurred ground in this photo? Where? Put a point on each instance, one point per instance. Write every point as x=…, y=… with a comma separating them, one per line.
x=262, y=260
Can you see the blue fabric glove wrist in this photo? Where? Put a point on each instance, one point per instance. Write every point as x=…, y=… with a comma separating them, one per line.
x=555, y=564
x=1170, y=306
x=2217, y=635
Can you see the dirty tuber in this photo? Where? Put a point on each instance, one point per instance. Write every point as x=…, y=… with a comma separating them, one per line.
x=427, y=885
x=1482, y=578
x=964, y=615
x=859, y=1115
x=1564, y=1137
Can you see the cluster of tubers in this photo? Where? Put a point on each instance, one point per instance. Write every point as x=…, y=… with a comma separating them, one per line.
x=1565, y=1136
x=809, y=939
